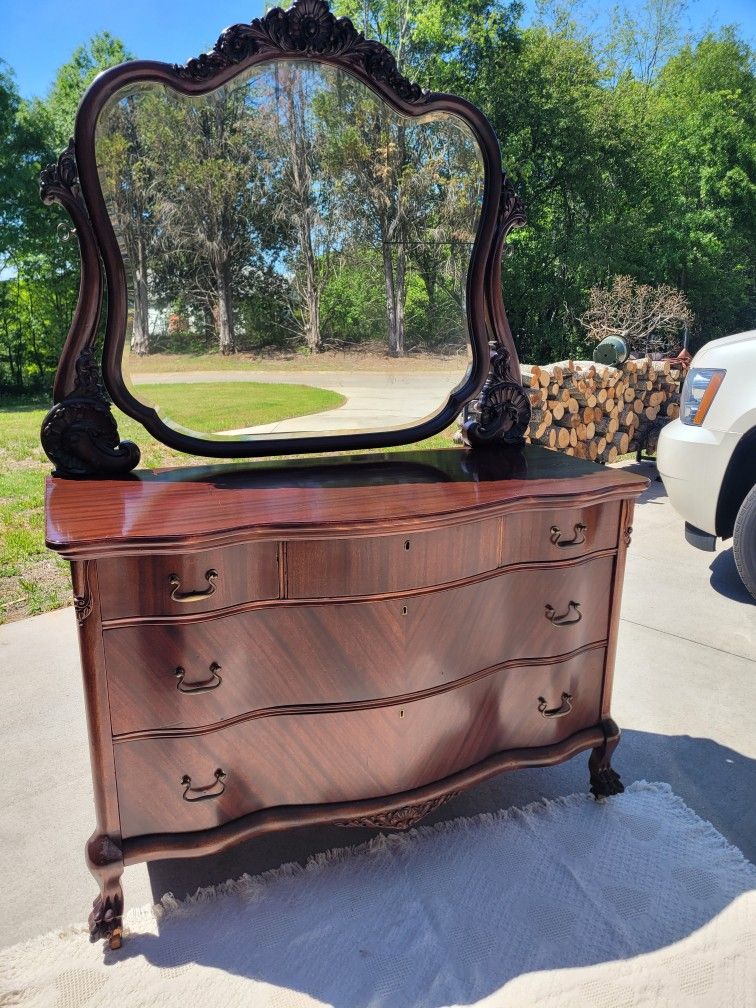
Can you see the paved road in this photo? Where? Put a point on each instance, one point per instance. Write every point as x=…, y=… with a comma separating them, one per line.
x=373, y=399
x=685, y=690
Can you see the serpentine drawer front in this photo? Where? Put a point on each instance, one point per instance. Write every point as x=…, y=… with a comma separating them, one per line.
x=176, y=584
x=187, y=674
x=170, y=783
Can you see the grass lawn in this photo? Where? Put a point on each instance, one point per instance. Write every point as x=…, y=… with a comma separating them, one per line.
x=34, y=580
x=219, y=406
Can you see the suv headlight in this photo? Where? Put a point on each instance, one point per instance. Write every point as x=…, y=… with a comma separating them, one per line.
x=700, y=387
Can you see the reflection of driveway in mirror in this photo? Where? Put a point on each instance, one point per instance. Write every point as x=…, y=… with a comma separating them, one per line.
x=374, y=400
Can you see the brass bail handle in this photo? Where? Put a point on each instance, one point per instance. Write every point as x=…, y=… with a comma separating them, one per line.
x=578, y=536
x=572, y=616
x=201, y=687
x=193, y=596
x=207, y=791
x=564, y=708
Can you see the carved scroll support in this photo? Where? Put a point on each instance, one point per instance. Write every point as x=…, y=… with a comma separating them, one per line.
x=79, y=434
x=501, y=414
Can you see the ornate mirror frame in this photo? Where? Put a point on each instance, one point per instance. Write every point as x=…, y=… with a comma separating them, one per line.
x=80, y=434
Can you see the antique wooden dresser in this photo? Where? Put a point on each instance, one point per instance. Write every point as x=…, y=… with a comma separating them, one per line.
x=347, y=639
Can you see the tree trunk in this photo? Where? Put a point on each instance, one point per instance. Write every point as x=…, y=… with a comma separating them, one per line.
x=395, y=278
x=388, y=273
x=312, y=293
x=392, y=234
x=226, y=342
x=399, y=294
x=140, y=334
x=303, y=202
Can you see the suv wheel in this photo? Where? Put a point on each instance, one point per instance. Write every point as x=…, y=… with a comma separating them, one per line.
x=744, y=542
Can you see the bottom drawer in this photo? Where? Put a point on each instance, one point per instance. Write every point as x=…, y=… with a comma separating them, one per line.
x=173, y=785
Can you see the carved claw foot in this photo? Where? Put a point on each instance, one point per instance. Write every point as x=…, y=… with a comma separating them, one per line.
x=105, y=920
x=105, y=862
x=605, y=782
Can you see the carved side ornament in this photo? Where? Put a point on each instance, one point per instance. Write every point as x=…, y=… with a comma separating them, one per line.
x=307, y=27
x=82, y=591
x=79, y=434
x=501, y=413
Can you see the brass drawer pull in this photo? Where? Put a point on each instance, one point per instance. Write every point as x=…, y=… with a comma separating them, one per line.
x=564, y=708
x=203, y=793
x=578, y=536
x=201, y=687
x=573, y=615
x=193, y=596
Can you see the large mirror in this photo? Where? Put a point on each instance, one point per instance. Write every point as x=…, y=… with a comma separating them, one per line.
x=296, y=252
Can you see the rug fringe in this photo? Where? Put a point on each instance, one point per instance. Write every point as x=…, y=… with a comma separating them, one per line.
x=253, y=888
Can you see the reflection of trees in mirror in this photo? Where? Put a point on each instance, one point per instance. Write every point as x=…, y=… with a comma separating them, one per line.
x=291, y=207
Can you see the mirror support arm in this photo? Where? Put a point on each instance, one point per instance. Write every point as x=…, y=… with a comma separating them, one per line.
x=501, y=413
x=80, y=434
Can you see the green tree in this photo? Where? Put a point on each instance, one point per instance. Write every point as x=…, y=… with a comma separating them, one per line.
x=74, y=77
x=694, y=130
x=38, y=265
x=38, y=278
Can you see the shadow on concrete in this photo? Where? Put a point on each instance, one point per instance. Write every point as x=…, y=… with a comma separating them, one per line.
x=726, y=580
x=655, y=488
x=717, y=782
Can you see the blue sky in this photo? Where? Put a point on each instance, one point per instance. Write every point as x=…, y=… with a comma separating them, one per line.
x=36, y=36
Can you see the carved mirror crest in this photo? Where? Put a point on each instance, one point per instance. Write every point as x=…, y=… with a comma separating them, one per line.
x=289, y=189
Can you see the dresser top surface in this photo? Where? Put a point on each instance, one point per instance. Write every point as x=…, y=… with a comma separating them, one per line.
x=195, y=504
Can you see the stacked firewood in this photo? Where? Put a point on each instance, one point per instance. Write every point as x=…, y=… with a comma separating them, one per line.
x=597, y=412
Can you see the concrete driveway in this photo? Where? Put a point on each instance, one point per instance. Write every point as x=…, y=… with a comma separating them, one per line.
x=374, y=399
x=685, y=693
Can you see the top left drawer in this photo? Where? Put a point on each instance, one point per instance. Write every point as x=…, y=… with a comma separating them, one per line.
x=173, y=584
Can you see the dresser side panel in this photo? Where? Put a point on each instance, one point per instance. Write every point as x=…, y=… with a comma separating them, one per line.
x=625, y=536
x=97, y=705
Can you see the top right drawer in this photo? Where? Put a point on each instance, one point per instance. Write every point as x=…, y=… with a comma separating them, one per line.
x=559, y=534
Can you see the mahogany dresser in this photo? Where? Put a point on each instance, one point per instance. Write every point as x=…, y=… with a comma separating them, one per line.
x=346, y=640
x=335, y=641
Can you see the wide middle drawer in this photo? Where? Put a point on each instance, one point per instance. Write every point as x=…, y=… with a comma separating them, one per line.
x=188, y=674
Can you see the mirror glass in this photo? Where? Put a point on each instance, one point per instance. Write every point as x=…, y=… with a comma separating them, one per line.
x=296, y=252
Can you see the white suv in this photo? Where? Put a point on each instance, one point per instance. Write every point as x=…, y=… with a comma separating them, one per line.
x=707, y=458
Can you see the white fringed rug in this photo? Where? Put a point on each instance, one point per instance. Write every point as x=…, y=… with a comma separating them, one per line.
x=631, y=902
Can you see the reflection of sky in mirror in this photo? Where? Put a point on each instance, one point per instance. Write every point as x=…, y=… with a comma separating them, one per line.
x=290, y=209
